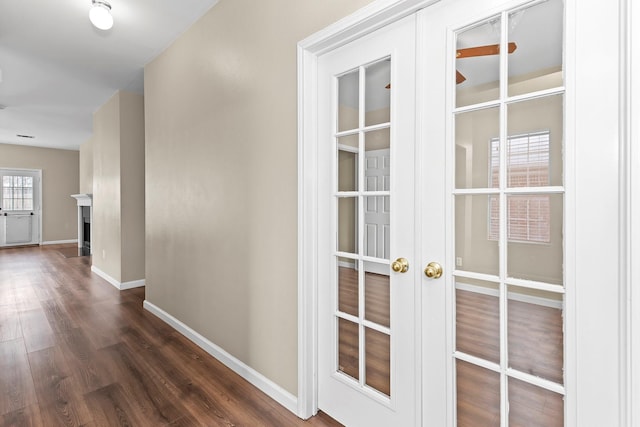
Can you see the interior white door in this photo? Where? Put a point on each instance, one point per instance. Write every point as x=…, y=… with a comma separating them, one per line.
x=19, y=207
x=496, y=110
x=366, y=312
x=499, y=98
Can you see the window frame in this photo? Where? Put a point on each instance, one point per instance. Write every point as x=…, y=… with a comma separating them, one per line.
x=20, y=188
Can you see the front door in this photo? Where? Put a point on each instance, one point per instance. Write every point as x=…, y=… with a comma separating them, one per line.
x=19, y=207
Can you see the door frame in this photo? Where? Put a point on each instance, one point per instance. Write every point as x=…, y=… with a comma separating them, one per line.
x=382, y=12
x=38, y=174
x=630, y=146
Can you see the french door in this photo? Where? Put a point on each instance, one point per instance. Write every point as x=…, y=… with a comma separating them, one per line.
x=481, y=310
x=366, y=276
x=501, y=132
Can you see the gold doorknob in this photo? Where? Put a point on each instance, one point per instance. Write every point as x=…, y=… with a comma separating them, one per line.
x=401, y=265
x=433, y=270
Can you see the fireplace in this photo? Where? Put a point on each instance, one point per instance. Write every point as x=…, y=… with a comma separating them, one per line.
x=86, y=228
x=85, y=215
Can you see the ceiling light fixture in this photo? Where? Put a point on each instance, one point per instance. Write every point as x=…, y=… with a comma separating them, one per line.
x=100, y=14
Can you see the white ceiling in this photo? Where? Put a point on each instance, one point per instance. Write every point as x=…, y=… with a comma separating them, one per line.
x=57, y=69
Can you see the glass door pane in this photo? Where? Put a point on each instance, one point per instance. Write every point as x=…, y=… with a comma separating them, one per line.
x=363, y=154
x=508, y=218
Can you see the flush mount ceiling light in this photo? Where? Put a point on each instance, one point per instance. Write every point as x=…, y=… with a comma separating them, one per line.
x=100, y=14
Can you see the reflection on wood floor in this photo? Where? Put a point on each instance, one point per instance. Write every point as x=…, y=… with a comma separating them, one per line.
x=535, y=347
x=377, y=344
x=75, y=351
x=535, y=343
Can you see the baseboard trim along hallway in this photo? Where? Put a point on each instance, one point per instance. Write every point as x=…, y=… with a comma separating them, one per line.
x=254, y=377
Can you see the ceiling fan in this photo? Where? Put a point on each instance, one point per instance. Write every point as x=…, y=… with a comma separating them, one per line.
x=470, y=52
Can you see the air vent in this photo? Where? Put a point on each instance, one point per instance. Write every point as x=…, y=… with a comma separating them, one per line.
x=25, y=136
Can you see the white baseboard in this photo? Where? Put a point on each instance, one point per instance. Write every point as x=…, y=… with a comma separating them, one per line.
x=58, y=242
x=530, y=299
x=132, y=284
x=119, y=285
x=263, y=383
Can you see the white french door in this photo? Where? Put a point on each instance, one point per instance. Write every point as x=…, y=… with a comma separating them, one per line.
x=501, y=120
x=501, y=133
x=366, y=331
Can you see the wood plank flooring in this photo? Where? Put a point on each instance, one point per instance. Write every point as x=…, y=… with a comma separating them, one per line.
x=535, y=341
x=75, y=351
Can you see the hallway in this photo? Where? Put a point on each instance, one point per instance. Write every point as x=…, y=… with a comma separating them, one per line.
x=75, y=351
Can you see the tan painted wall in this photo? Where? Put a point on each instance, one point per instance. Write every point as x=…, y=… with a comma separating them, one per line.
x=221, y=180
x=132, y=185
x=118, y=187
x=86, y=167
x=59, y=181
x=106, y=227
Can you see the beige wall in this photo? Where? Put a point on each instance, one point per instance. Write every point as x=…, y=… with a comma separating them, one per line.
x=221, y=177
x=86, y=167
x=132, y=185
x=106, y=227
x=118, y=183
x=59, y=181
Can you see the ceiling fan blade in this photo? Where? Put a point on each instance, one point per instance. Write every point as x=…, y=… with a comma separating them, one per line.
x=459, y=77
x=490, y=49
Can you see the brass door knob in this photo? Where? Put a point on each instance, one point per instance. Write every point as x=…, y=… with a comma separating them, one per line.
x=433, y=270
x=401, y=265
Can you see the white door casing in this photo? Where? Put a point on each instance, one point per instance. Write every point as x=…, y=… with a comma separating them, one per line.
x=593, y=228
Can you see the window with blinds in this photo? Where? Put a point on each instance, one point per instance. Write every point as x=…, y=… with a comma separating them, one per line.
x=17, y=193
x=528, y=216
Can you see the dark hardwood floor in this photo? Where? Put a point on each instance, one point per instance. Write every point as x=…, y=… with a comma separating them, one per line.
x=535, y=340
x=74, y=351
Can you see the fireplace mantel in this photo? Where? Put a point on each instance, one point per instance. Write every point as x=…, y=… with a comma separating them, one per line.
x=83, y=199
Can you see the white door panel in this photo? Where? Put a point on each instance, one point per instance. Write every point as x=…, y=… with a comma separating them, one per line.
x=366, y=320
x=377, y=214
x=18, y=229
